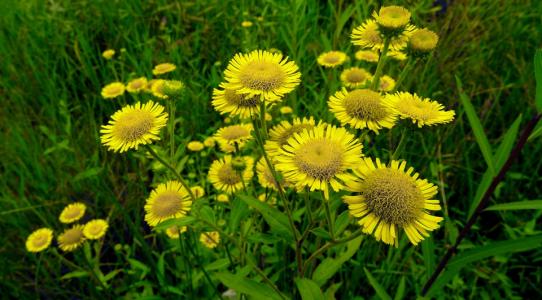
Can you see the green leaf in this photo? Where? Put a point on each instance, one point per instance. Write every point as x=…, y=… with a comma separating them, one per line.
x=239, y=211
x=538, y=76
x=466, y=258
x=179, y=222
x=247, y=286
x=88, y=173
x=74, y=274
x=308, y=289
x=477, y=128
x=330, y=292
x=206, y=213
x=276, y=220
x=341, y=222
x=380, y=291
x=400, y=294
x=536, y=132
x=329, y=266
x=218, y=264
x=519, y=205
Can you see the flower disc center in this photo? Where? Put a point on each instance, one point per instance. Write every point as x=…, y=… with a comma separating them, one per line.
x=228, y=175
x=232, y=133
x=167, y=204
x=72, y=236
x=364, y=104
x=320, y=159
x=240, y=100
x=133, y=125
x=261, y=75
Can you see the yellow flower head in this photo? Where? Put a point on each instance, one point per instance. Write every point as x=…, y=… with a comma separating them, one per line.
x=72, y=212
x=355, y=77
x=223, y=198
x=39, y=240
x=228, y=101
x=225, y=178
x=262, y=73
x=113, y=90
x=195, y=146
x=367, y=55
x=137, y=85
x=172, y=87
x=246, y=24
x=209, y=142
x=423, y=40
x=134, y=125
x=320, y=158
x=279, y=134
x=397, y=55
x=332, y=59
x=163, y=68
x=169, y=200
x=392, y=17
x=286, y=110
x=210, y=239
x=198, y=191
x=390, y=198
x=265, y=176
x=230, y=135
x=269, y=199
x=386, y=83
x=361, y=109
x=173, y=232
x=420, y=111
x=108, y=54
x=71, y=238
x=95, y=229
x=157, y=89
x=368, y=35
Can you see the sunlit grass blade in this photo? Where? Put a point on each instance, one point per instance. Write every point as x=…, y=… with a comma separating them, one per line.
x=380, y=291
x=538, y=76
x=519, y=205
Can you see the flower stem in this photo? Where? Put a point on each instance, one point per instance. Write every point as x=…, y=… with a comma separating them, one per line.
x=171, y=130
x=410, y=63
x=172, y=169
x=380, y=66
x=329, y=220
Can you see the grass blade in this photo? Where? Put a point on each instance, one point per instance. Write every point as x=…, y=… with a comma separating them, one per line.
x=538, y=76
x=519, y=205
x=378, y=288
x=308, y=289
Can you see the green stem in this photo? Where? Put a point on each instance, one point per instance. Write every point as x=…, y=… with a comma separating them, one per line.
x=171, y=129
x=172, y=169
x=205, y=274
x=329, y=219
x=411, y=62
x=380, y=66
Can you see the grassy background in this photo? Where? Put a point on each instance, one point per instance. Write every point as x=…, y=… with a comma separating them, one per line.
x=51, y=110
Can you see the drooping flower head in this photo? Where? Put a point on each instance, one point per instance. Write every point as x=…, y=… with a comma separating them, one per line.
x=113, y=90
x=39, y=240
x=108, y=54
x=71, y=238
x=224, y=176
x=246, y=24
x=320, y=158
x=390, y=198
x=228, y=101
x=367, y=55
x=163, y=68
x=386, y=83
x=332, y=59
x=285, y=110
x=95, y=229
x=195, y=146
x=137, y=85
x=265, y=176
x=157, y=89
x=234, y=134
x=361, y=108
x=72, y=212
x=198, y=191
x=420, y=111
x=173, y=88
x=210, y=239
x=168, y=201
x=355, y=77
x=173, y=232
x=279, y=134
x=223, y=198
x=368, y=35
x=134, y=125
x=209, y=142
x=423, y=40
x=262, y=73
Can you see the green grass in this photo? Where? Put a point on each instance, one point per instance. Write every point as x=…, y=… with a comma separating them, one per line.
x=52, y=73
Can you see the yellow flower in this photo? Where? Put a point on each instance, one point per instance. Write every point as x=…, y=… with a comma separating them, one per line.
x=225, y=178
x=320, y=158
x=279, y=134
x=286, y=110
x=265, y=176
x=137, y=85
x=95, y=229
x=134, y=125
x=169, y=200
x=39, y=240
x=397, y=55
x=331, y=59
x=210, y=239
x=113, y=90
x=262, y=73
x=367, y=55
x=223, y=198
x=228, y=101
x=71, y=238
x=355, y=77
x=386, y=83
x=390, y=198
x=423, y=40
x=421, y=111
x=231, y=135
x=172, y=88
x=209, y=142
x=108, y=54
x=246, y=23
x=268, y=199
x=198, y=191
x=157, y=89
x=174, y=231
x=163, y=68
x=392, y=17
x=361, y=109
x=72, y=212
x=195, y=146
x=368, y=35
